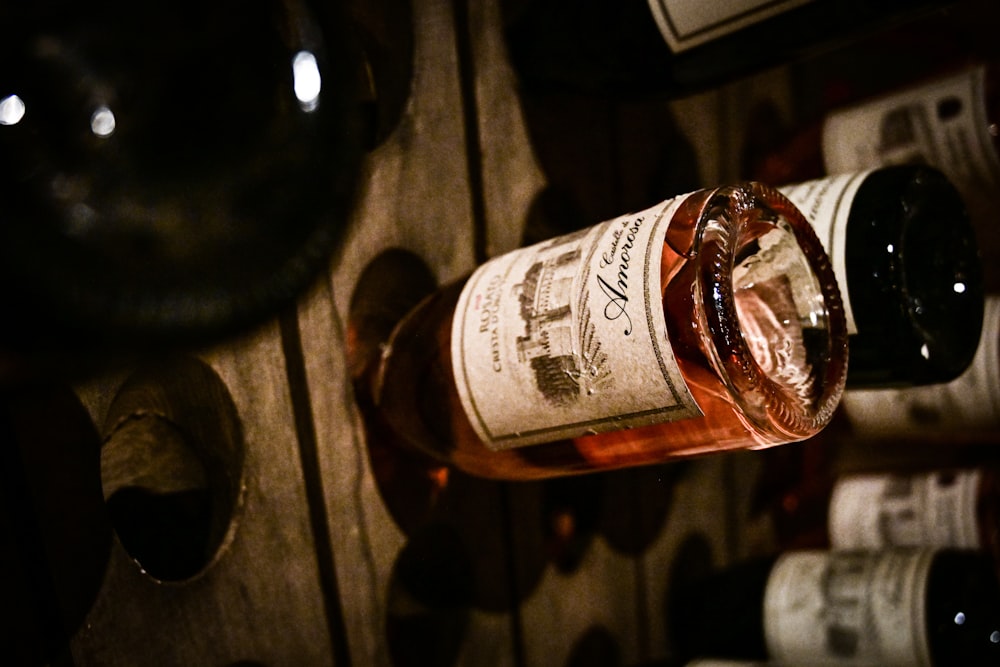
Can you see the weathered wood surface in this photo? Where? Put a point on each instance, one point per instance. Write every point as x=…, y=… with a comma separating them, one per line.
x=342, y=552
x=262, y=597
x=323, y=565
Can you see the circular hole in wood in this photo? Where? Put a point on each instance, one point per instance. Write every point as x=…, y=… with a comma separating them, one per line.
x=693, y=560
x=431, y=592
x=637, y=504
x=596, y=647
x=390, y=286
x=171, y=467
x=571, y=512
x=55, y=539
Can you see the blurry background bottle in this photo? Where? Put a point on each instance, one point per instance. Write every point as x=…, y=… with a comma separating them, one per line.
x=171, y=171
x=676, y=47
x=967, y=408
x=946, y=508
x=897, y=607
x=952, y=123
x=906, y=259
x=713, y=323
x=930, y=99
x=936, y=506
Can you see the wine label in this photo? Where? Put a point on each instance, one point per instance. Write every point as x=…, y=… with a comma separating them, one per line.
x=942, y=124
x=848, y=608
x=932, y=509
x=970, y=402
x=685, y=24
x=826, y=204
x=568, y=337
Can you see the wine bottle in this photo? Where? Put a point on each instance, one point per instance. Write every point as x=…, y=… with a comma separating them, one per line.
x=922, y=607
x=949, y=122
x=968, y=407
x=677, y=47
x=172, y=171
x=945, y=508
x=709, y=322
x=906, y=259
x=936, y=506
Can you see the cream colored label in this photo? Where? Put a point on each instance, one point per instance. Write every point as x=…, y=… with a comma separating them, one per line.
x=969, y=402
x=878, y=511
x=942, y=124
x=568, y=337
x=848, y=608
x=685, y=24
x=826, y=203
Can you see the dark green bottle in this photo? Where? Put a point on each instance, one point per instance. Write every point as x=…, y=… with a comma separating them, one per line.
x=905, y=255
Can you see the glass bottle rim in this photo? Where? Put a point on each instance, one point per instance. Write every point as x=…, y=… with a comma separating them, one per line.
x=761, y=398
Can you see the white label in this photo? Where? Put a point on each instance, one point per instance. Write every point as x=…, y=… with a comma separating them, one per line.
x=942, y=124
x=568, y=337
x=969, y=402
x=826, y=204
x=848, y=608
x=685, y=24
x=878, y=511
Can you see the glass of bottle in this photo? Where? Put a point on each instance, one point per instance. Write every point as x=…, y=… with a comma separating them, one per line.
x=709, y=322
x=966, y=408
x=906, y=258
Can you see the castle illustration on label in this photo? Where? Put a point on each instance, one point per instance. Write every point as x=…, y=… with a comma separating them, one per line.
x=559, y=344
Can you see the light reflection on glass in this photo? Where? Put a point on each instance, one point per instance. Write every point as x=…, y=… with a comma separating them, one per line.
x=959, y=618
x=102, y=121
x=925, y=352
x=308, y=81
x=995, y=636
x=11, y=110
x=959, y=288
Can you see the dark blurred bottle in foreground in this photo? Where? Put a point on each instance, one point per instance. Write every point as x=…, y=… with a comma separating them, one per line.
x=171, y=170
x=677, y=47
x=927, y=608
x=906, y=259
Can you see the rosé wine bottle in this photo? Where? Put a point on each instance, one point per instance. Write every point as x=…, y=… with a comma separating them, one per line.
x=709, y=322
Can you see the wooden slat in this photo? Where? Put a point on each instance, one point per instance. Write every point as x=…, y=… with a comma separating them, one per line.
x=511, y=175
x=261, y=599
x=417, y=198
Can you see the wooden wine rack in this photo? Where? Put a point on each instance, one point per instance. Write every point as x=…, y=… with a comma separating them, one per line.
x=318, y=567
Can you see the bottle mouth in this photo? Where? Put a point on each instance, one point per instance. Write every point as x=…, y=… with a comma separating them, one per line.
x=772, y=311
